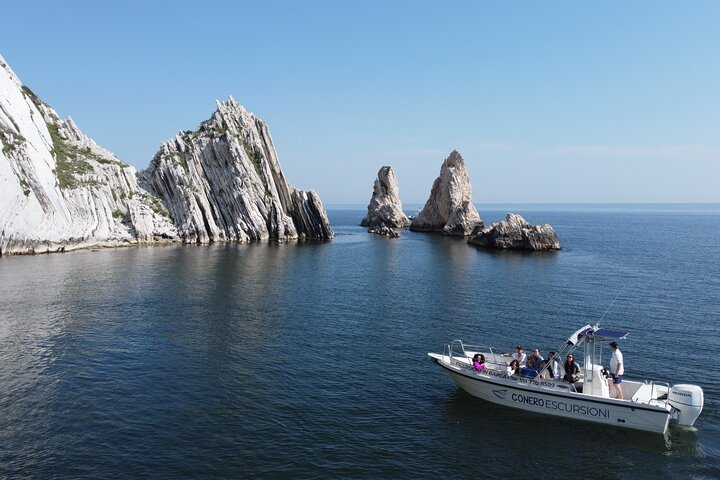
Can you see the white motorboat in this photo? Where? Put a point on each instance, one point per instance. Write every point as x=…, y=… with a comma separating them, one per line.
x=647, y=405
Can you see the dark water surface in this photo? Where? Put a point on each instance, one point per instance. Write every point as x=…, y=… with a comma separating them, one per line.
x=308, y=360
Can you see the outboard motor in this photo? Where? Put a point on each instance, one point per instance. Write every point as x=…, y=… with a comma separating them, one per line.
x=687, y=402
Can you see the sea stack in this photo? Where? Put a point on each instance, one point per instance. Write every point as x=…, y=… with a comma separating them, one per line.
x=514, y=233
x=385, y=208
x=450, y=209
x=223, y=182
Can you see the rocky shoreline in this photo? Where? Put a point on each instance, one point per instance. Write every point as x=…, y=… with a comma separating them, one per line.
x=222, y=182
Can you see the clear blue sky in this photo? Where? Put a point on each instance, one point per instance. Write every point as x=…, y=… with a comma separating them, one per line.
x=547, y=101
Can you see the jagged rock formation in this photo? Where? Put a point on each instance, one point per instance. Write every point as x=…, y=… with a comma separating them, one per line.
x=385, y=208
x=449, y=209
x=223, y=182
x=384, y=230
x=515, y=233
x=59, y=190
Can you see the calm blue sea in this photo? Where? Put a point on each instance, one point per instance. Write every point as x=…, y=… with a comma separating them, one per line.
x=309, y=360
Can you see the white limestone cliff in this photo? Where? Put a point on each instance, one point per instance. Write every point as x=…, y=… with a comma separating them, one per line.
x=59, y=190
x=515, y=233
x=223, y=182
x=385, y=207
x=450, y=209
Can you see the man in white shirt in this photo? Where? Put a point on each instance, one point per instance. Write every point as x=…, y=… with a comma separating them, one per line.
x=617, y=369
x=519, y=355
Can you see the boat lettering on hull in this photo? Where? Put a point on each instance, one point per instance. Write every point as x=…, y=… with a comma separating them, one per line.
x=521, y=380
x=560, y=406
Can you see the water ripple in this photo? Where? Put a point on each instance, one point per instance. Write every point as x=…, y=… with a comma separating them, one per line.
x=309, y=360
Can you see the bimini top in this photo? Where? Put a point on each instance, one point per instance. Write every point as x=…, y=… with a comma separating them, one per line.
x=605, y=334
x=596, y=333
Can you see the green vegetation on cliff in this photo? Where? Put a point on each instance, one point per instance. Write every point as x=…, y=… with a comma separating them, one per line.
x=69, y=163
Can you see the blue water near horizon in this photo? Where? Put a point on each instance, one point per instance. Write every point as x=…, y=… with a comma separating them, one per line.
x=308, y=359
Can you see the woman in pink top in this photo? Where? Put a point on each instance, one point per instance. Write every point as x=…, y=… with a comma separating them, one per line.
x=479, y=362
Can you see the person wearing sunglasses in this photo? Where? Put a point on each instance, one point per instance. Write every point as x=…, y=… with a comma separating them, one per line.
x=572, y=370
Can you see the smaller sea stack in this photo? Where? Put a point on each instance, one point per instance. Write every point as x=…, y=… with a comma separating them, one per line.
x=514, y=233
x=385, y=208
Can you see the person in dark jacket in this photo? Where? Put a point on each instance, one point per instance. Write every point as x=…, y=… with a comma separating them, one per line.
x=572, y=370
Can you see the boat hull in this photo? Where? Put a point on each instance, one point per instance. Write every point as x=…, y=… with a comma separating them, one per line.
x=532, y=396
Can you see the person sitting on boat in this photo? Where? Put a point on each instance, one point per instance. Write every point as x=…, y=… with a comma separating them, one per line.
x=572, y=370
x=513, y=368
x=544, y=370
x=537, y=358
x=555, y=366
x=479, y=362
x=529, y=369
x=519, y=355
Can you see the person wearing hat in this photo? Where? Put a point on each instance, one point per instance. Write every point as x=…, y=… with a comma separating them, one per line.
x=519, y=355
x=616, y=369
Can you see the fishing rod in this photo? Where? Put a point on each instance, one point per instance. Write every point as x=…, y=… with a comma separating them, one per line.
x=611, y=304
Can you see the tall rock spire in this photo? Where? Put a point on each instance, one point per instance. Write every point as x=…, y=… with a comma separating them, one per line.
x=450, y=209
x=385, y=207
x=223, y=182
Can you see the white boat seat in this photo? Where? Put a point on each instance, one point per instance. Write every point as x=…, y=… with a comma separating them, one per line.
x=643, y=393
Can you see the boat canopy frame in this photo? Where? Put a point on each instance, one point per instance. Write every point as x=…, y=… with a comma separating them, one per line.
x=592, y=338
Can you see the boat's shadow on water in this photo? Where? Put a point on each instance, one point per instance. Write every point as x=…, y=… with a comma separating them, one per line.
x=501, y=430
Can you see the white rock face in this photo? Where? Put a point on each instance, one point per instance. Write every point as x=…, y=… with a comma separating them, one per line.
x=59, y=190
x=385, y=207
x=514, y=233
x=223, y=182
x=450, y=208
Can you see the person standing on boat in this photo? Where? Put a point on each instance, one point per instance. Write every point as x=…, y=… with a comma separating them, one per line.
x=617, y=369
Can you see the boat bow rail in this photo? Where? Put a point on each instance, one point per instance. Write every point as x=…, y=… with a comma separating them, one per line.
x=457, y=354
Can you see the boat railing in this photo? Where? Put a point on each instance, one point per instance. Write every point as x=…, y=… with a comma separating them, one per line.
x=454, y=349
x=458, y=349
